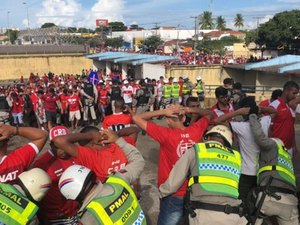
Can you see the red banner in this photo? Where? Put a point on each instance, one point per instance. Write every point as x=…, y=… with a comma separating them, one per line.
x=101, y=23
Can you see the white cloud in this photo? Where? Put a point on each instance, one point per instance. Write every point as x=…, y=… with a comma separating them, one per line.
x=251, y=24
x=112, y=10
x=289, y=1
x=60, y=12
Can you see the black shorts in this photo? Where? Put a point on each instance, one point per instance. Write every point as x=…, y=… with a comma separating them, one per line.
x=50, y=116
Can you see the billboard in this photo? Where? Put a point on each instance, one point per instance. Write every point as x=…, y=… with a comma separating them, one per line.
x=101, y=22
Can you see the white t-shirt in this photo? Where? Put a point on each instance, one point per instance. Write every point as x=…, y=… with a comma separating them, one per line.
x=248, y=148
x=127, y=93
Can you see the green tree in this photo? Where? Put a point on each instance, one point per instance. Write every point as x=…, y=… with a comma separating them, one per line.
x=94, y=42
x=114, y=42
x=47, y=25
x=12, y=35
x=211, y=46
x=206, y=20
x=230, y=40
x=251, y=36
x=71, y=29
x=238, y=21
x=83, y=30
x=152, y=43
x=117, y=26
x=281, y=32
x=221, y=23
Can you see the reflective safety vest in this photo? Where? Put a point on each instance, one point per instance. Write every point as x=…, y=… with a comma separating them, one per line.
x=219, y=169
x=200, y=87
x=167, y=91
x=15, y=209
x=121, y=207
x=175, y=88
x=284, y=166
x=186, y=89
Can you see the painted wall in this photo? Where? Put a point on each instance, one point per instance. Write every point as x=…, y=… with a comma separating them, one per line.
x=12, y=67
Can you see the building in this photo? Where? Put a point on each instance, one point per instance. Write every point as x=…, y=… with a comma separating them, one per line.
x=218, y=35
x=132, y=65
x=166, y=34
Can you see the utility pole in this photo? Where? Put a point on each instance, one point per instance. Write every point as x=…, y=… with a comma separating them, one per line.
x=195, y=36
x=25, y=3
x=156, y=27
x=8, y=31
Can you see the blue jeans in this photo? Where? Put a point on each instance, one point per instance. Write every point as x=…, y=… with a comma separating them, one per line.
x=171, y=210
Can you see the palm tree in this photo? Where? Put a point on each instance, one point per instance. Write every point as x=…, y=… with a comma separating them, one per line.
x=221, y=23
x=206, y=20
x=239, y=21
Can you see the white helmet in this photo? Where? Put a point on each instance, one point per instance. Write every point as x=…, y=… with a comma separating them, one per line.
x=74, y=182
x=278, y=141
x=198, y=78
x=184, y=77
x=166, y=81
x=175, y=80
x=35, y=183
x=223, y=131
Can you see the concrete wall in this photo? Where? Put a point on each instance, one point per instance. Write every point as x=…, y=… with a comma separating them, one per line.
x=213, y=76
x=12, y=67
x=153, y=71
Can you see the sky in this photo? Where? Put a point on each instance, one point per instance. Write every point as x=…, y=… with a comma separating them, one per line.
x=145, y=13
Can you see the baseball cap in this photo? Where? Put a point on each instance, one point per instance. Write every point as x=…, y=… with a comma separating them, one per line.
x=125, y=82
x=58, y=131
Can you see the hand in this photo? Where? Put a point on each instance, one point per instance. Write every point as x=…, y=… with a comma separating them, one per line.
x=108, y=136
x=172, y=111
x=6, y=131
x=244, y=111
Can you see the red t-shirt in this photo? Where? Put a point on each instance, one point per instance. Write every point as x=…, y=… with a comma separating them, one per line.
x=73, y=101
x=63, y=100
x=265, y=103
x=18, y=104
x=103, y=162
x=54, y=205
x=217, y=112
x=34, y=99
x=16, y=162
x=283, y=123
x=50, y=102
x=103, y=95
x=117, y=121
x=173, y=143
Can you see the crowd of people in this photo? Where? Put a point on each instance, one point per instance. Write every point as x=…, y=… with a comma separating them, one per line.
x=228, y=164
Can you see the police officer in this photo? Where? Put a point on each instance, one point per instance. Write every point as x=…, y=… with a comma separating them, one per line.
x=166, y=94
x=213, y=169
x=276, y=174
x=175, y=88
x=200, y=89
x=90, y=96
x=186, y=89
x=4, y=107
x=115, y=93
x=18, y=201
x=112, y=202
x=142, y=96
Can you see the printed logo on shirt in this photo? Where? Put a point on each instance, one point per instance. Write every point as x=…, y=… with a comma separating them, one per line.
x=115, y=167
x=9, y=176
x=183, y=146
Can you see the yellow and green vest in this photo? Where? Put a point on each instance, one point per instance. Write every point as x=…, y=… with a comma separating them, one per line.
x=121, y=207
x=15, y=209
x=186, y=89
x=175, y=88
x=219, y=169
x=200, y=87
x=167, y=91
x=284, y=166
